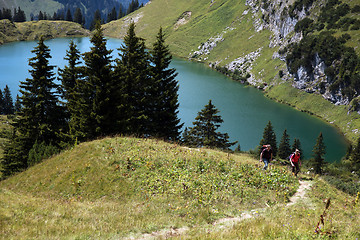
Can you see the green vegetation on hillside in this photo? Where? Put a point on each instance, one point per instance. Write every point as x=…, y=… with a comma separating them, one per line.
x=125, y=187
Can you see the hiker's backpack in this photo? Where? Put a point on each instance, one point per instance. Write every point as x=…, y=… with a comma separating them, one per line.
x=291, y=155
x=262, y=148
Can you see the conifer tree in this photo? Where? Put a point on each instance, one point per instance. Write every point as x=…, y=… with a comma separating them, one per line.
x=284, y=146
x=96, y=20
x=70, y=76
x=40, y=16
x=204, y=132
x=132, y=70
x=165, y=105
x=17, y=106
x=318, y=161
x=1, y=103
x=269, y=137
x=121, y=11
x=355, y=157
x=68, y=16
x=187, y=139
x=98, y=87
x=8, y=104
x=297, y=145
x=39, y=118
x=78, y=16
x=112, y=15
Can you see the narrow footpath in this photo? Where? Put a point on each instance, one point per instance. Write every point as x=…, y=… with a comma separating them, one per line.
x=228, y=222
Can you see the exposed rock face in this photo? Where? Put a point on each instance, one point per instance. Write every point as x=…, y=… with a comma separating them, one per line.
x=277, y=20
x=244, y=65
x=316, y=81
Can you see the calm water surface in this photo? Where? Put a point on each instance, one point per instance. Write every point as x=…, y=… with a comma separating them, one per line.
x=245, y=110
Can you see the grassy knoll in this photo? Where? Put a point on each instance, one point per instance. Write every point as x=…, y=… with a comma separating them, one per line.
x=122, y=186
x=126, y=187
x=25, y=31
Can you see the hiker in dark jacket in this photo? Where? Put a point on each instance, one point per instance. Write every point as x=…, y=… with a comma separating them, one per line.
x=266, y=156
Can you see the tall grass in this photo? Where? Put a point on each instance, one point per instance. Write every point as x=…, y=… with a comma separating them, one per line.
x=118, y=187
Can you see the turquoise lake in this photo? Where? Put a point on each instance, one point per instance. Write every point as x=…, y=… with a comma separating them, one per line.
x=244, y=109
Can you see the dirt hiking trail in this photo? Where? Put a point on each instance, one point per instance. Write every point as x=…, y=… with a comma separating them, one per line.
x=228, y=222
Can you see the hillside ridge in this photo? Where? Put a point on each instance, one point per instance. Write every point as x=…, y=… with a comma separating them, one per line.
x=26, y=31
x=130, y=188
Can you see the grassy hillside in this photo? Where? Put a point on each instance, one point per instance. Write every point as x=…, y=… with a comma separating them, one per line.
x=190, y=24
x=131, y=188
x=10, y=32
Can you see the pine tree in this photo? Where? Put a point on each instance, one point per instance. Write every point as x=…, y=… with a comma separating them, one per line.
x=165, y=121
x=204, y=130
x=1, y=103
x=297, y=145
x=132, y=71
x=269, y=137
x=355, y=157
x=8, y=104
x=98, y=87
x=318, y=161
x=112, y=15
x=40, y=16
x=78, y=16
x=68, y=16
x=187, y=139
x=284, y=146
x=17, y=106
x=96, y=20
x=39, y=117
x=121, y=11
x=69, y=77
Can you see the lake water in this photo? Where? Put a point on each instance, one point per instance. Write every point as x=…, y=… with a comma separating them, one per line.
x=244, y=109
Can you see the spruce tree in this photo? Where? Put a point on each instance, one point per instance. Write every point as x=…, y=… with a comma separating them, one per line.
x=318, y=161
x=98, y=88
x=355, y=157
x=70, y=76
x=17, y=105
x=96, y=20
x=40, y=16
x=78, y=16
x=8, y=104
x=165, y=105
x=39, y=118
x=68, y=16
x=112, y=15
x=1, y=103
x=297, y=145
x=204, y=132
x=121, y=11
x=132, y=71
x=284, y=146
x=269, y=137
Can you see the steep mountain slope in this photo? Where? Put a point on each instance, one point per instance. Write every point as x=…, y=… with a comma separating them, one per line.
x=32, y=6
x=88, y=7
x=249, y=41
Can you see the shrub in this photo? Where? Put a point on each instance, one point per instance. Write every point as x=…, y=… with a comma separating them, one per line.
x=41, y=151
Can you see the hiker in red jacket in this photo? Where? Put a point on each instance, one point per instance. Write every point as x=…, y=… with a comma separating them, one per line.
x=295, y=162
